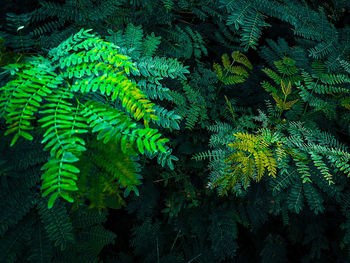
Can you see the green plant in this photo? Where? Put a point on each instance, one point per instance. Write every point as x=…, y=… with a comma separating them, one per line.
x=64, y=93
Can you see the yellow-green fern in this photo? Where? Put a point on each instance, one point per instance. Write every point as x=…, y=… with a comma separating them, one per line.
x=231, y=73
x=253, y=155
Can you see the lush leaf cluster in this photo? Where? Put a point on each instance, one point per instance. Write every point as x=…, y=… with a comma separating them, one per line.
x=175, y=131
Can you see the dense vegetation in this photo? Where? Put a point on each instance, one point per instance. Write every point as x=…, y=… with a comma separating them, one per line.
x=175, y=131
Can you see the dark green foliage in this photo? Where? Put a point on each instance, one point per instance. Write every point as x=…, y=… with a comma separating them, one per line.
x=17, y=35
x=190, y=131
x=223, y=233
x=57, y=224
x=29, y=230
x=274, y=250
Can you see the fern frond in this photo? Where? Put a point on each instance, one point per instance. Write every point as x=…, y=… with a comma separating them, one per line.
x=21, y=98
x=211, y=155
x=56, y=223
x=161, y=67
x=252, y=29
x=155, y=91
x=112, y=124
x=167, y=119
x=150, y=45
x=108, y=171
x=63, y=123
x=40, y=249
x=231, y=74
x=252, y=155
x=295, y=198
x=313, y=198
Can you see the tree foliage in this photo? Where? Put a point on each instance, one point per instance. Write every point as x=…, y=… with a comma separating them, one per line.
x=175, y=131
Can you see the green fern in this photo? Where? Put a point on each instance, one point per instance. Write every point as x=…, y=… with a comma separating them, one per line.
x=231, y=74
x=243, y=15
x=57, y=224
x=81, y=65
